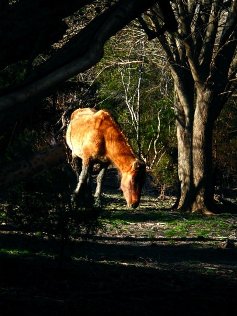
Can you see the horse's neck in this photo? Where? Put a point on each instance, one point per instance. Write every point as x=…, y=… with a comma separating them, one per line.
x=119, y=151
x=123, y=161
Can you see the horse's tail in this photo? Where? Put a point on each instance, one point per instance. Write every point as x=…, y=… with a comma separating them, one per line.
x=65, y=118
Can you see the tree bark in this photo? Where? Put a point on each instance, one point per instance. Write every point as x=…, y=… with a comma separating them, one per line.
x=202, y=154
x=202, y=58
x=185, y=169
x=195, y=157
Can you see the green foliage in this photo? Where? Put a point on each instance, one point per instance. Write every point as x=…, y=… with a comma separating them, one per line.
x=130, y=65
x=165, y=171
x=225, y=146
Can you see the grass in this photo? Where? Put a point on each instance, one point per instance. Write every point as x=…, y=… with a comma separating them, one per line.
x=153, y=219
x=14, y=252
x=138, y=251
x=156, y=222
x=200, y=227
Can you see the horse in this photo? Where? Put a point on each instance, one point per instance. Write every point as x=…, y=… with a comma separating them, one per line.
x=93, y=137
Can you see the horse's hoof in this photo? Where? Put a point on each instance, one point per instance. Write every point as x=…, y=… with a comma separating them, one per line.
x=97, y=203
x=73, y=199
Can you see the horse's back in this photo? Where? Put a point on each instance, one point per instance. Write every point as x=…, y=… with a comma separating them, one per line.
x=84, y=134
x=82, y=111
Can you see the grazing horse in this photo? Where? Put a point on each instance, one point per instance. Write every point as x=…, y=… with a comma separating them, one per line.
x=93, y=136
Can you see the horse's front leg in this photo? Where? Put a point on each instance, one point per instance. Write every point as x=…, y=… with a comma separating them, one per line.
x=99, y=181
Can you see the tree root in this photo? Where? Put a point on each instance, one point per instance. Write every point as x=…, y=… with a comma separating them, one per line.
x=213, y=208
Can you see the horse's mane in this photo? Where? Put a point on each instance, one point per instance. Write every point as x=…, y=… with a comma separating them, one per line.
x=118, y=130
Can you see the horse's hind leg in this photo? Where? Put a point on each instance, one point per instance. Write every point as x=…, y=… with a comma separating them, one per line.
x=99, y=181
x=76, y=164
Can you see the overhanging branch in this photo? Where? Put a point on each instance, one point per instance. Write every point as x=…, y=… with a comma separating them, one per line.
x=28, y=27
x=88, y=54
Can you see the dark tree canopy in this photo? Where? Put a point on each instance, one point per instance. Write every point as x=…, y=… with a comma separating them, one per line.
x=30, y=28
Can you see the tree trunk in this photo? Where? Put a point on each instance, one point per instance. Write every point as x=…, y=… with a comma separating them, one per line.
x=195, y=158
x=202, y=154
x=184, y=137
x=184, y=123
x=202, y=58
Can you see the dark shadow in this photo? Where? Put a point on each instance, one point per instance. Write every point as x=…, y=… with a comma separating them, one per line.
x=141, y=215
x=147, y=215
x=225, y=206
x=113, y=279
x=118, y=249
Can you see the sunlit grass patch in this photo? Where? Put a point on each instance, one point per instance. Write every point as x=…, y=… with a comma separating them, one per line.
x=14, y=252
x=200, y=227
x=158, y=223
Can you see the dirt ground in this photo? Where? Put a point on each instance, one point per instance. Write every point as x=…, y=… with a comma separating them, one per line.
x=117, y=272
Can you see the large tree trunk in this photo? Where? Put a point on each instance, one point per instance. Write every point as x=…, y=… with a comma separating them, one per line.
x=203, y=63
x=195, y=156
x=202, y=154
x=185, y=170
x=184, y=124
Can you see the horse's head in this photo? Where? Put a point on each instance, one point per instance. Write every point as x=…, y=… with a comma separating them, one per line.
x=132, y=183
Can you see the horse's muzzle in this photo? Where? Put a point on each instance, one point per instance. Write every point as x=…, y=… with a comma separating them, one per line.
x=134, y=205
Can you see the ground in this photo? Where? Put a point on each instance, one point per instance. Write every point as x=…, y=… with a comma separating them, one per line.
x=149, y=261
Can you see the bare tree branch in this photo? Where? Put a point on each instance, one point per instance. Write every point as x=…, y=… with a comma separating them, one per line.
x=231, y=26
x=210, y=36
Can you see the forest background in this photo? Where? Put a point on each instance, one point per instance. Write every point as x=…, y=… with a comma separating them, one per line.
x=136, y=82
x=159, y=82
